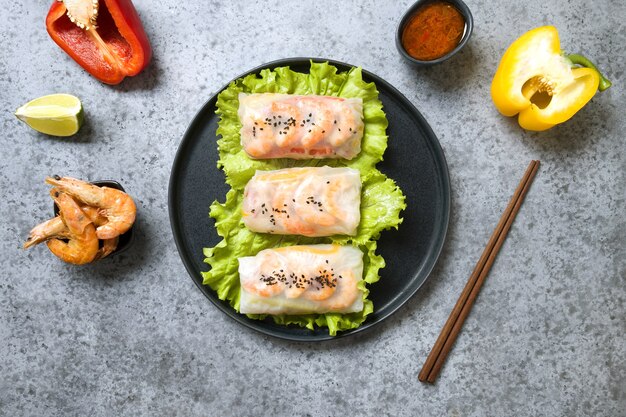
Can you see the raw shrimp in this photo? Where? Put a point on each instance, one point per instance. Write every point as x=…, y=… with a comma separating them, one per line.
x=82, y=244
x=117, y=206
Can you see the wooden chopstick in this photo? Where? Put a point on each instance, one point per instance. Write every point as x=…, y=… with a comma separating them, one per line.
x=461, y=309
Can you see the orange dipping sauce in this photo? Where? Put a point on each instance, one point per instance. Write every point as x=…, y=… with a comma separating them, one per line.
x=433, y=31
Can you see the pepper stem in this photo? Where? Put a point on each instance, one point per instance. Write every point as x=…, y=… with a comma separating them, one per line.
x=577, y=59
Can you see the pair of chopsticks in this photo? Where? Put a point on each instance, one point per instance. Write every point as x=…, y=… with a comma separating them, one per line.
x=461, y=309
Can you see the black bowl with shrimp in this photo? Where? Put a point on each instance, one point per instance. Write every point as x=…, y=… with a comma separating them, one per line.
x=92, y=220
x=110, y=247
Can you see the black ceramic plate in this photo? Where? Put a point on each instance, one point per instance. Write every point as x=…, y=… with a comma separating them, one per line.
x=414, y=159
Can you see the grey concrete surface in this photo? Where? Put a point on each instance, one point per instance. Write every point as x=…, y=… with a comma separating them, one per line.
x=133, y=335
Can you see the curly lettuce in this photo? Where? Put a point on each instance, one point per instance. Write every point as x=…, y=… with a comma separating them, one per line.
x=381, y=201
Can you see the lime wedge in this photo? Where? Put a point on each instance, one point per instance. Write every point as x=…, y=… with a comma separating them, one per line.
x=55, y=115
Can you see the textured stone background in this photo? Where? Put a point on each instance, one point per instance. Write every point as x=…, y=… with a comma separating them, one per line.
x=133, y=335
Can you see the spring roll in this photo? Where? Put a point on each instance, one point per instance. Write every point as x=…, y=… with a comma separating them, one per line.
x=300, y=127
x=311, y=201
x=302, y=280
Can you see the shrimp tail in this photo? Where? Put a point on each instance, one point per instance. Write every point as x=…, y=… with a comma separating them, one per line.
x=47, y=230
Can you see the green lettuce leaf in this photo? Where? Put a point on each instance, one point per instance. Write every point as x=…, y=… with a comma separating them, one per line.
x=381, y=201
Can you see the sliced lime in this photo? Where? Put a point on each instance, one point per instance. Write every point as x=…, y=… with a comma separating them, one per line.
x=55, y=114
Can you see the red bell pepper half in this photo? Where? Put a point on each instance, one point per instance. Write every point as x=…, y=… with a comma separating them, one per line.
x=116, y=48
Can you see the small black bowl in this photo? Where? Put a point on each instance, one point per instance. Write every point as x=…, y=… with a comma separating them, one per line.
x=126, y=239
x=469, y=27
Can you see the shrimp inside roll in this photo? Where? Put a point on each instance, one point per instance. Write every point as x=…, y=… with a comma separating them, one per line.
x=301, y=280
x=300, y=126
x=311, y=201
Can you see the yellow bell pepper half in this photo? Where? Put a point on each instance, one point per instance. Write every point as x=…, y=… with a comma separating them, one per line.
x=536, y=81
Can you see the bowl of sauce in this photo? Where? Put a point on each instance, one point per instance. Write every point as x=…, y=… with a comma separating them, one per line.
x=431, y=31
